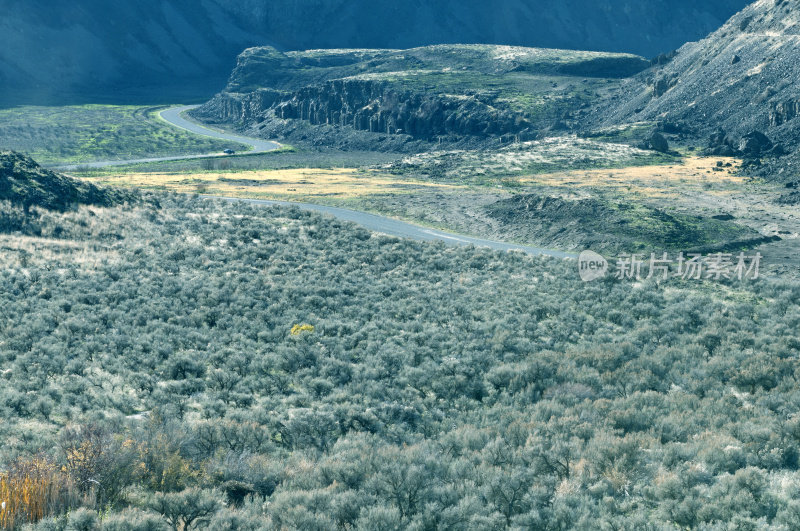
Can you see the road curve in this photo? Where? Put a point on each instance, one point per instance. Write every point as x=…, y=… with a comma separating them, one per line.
x=402, y=229
x=173, y=116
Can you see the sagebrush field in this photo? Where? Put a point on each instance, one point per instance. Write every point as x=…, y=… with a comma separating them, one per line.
x=180, y=362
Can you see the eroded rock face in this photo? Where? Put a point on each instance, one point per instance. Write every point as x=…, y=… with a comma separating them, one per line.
x=781, y=112
x=375, y=107
x=238, y=109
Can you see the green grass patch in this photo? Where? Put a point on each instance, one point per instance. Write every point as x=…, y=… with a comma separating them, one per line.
x=88, y=133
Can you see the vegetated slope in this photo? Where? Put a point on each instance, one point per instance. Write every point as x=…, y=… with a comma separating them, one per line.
x=25, y=183
x=591, y=223
x=394, y=99
x=735, y=89
x=347, y=380
x=165, y=49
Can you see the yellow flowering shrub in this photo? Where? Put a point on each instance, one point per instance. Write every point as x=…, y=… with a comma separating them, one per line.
x=300, y=328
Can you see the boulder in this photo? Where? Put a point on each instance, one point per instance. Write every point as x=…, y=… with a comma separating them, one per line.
x=722, y=151
x=754, y=144
x=658, y=143
x=655, y=142
x=720, y=144
x=778, y=151
x=661, y=86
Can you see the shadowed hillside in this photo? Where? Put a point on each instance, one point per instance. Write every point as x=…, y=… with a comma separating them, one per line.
x=180, y=48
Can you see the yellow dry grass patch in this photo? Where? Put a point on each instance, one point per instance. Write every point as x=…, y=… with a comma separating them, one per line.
x=35, y=489
x=289, y=184
x=694, y=174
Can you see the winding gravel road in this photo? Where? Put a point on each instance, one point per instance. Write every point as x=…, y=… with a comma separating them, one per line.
x=402, y=229
x=372, y=222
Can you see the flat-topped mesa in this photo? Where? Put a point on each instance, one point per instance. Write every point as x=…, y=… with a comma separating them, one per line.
x=424, y=93
x=266, y=67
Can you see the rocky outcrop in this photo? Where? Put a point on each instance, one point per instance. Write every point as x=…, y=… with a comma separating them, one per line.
x=781, y=112
x=25, y=183
x=238, y=109
x=662, y=84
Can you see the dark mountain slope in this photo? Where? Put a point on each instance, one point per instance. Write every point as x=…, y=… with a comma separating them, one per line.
x=733, y=87
x=81, y=49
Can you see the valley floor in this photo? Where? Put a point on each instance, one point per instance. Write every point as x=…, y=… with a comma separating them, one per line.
x=464, y=191
x=694, y=186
